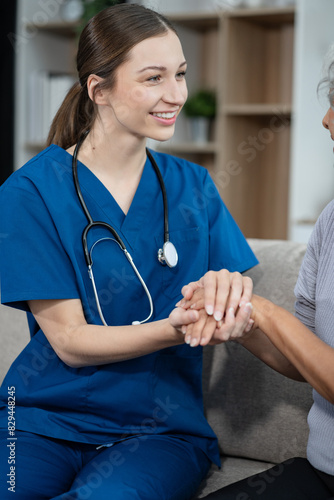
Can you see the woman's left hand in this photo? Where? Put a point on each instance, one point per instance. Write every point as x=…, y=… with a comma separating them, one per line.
x=222, y=291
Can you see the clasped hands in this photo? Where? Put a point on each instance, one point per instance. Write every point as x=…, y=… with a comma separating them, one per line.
x=215, y=309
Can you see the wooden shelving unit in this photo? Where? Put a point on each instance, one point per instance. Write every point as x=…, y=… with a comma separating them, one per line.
x=247, y=56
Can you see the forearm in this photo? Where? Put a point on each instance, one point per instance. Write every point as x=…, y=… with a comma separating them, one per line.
x=310, y=356
x=87, y=345
x=78, y=343
x=259, y=344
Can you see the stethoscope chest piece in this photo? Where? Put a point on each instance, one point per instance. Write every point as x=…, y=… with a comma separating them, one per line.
x=168, y=254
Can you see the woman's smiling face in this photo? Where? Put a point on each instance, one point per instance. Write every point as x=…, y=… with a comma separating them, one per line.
x=150, y=89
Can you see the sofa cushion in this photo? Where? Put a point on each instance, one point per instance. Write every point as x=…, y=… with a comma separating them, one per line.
x=256, y=412
x=14, y=336
x=233, y=469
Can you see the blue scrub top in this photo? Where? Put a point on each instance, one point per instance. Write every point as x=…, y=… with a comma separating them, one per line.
x=42, y=258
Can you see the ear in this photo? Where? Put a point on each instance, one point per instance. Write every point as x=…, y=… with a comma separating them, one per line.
x=95, y=94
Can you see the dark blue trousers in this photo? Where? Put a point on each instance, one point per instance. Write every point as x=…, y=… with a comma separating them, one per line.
x=150, y=467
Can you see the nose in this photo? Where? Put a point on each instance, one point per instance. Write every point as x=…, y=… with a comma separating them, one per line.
x=175, y=92
x=325, y=120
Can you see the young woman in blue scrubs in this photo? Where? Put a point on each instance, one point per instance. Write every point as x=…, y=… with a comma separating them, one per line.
x=106, y=408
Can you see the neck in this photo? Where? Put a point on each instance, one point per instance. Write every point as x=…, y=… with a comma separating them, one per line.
x=108, y=153
x=117, y=161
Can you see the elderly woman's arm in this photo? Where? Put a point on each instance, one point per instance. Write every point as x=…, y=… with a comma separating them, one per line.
x=301, y=354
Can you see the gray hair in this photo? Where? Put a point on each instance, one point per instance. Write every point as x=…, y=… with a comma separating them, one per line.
x=326, y=84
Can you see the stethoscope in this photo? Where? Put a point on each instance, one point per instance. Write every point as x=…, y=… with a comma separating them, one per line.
x=167, y=255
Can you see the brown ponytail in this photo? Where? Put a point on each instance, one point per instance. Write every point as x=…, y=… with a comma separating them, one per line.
x=104, y=45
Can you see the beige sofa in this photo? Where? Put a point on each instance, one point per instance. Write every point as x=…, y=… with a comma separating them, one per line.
x=258, y=415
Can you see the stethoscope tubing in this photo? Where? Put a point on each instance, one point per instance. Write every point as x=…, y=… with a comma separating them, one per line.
x=117, y=238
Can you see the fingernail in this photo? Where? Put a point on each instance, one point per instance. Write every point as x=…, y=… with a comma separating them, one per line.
x=209, y=310
x=184, y=330
x=231, y=311
x=187, y=340
x=193, y=343
x=192, y=306
x=249, y=326
x=249, y=306
x=178, y=303
x=218, y=315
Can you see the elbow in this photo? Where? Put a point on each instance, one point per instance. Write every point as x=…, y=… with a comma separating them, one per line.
x=329, y=395
x=70, y=360
x=66, y=348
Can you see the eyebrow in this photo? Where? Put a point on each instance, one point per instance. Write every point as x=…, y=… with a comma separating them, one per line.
x=159, y=68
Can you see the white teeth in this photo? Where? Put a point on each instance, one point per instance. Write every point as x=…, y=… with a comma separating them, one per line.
x=165, y=115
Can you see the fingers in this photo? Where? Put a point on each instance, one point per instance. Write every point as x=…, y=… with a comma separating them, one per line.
x=225, y=298
x=188, y=290
x=180, y=318
x=247, y=291
x=221, y=290
x=196, y=301
x=201, y=332
x=217, y=288
x=206, y=330
x=236, y=292
x=235, y=325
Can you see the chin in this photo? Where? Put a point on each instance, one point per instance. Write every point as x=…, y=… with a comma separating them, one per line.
x=162, y=136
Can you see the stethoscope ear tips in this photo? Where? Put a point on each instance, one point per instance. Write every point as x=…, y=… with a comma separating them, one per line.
x=168, y=255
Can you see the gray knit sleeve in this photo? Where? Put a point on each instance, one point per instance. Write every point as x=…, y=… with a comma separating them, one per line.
x=305, y=290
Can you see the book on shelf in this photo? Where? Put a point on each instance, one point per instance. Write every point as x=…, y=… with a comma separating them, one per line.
x=46, y=93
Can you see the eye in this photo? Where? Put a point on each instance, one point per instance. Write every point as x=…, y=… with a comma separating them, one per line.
x=181, y=75
x=154, y=79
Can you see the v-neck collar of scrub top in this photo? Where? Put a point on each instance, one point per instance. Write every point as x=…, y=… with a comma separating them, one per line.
x=129, y=225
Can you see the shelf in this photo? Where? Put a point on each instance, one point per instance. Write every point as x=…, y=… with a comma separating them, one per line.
x=258, y=109
x=200, y=21
x=190, y=148
x=265, y=15
x=60, y=28
x=34, y=146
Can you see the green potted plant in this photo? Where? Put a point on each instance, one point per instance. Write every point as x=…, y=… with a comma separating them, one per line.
x=200, y=108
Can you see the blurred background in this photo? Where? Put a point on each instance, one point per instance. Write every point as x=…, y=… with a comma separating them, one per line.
x=253, y=116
